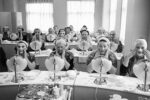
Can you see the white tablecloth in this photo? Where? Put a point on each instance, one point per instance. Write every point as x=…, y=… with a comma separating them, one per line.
x=114, y=82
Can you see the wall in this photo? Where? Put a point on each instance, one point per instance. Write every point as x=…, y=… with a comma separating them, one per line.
x=137, y=25
x=1, y=5
x=7, y=5
x=10, y=5
x=60, y=13
x=149, y=38
x=5, y=19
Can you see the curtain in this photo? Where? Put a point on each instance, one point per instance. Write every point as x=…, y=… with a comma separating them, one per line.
x=113, y=13
x=81, y=12
x=39, y=14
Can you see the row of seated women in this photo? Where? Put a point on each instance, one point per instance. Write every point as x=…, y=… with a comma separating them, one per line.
x=67, y=33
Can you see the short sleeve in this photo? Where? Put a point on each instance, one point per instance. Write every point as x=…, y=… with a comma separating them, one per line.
x=112, y=57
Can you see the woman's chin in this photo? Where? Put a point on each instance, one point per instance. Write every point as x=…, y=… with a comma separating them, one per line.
x=140, y=55
x=102, y=52
x=21, y=52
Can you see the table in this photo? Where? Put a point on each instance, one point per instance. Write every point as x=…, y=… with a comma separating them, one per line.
x=79, y=59
x=40, y=58
x=82, y=83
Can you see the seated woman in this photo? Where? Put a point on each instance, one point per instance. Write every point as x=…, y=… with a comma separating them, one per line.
x=6, y=33
x=68, y=34
x=84, y=40
x=61, y=34
x=22, y=35
x=115, y=44
x=21, y=51
x=103, y=51
x=51, y=36
x=101, y=32
x=37, y=36
x=55, y=28
x=139, y=53
x=73, y=34
x=62, y=52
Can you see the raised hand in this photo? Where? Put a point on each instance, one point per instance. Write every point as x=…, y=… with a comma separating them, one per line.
x=127, y=57
x=131, y=54
x=147, y=54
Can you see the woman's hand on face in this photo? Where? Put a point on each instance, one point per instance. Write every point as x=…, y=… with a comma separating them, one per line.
x=147, y=53
x=25, y=54
x=63, y=55
x=132, y=53
x=127, y=57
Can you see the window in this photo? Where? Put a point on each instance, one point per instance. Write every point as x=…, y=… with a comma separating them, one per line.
x=39, y=15
x=112, y=17
x=113, y=12
x=109, y=14
x=123, y=20
x=81, y=12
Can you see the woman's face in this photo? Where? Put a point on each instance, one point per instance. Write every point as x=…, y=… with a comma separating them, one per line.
x=55, y=28
x=102, y=47
x=19, y=29
x=51, y=31
x=140, y=50
x=112, y=35
x=84, y=35
x=5, y=29
x=21, y=47
x=68, y=30
x=101, y=32
x=62, y=33
x=37, y=31
x=60, y=47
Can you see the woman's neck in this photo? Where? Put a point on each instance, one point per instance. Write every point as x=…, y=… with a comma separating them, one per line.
x=139, y=57
x=102, y=53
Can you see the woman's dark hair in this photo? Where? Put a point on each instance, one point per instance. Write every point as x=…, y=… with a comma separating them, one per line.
x=61, y=30
x=84, y=26
x=66, y=29
x=36, y=29
x=85, y=31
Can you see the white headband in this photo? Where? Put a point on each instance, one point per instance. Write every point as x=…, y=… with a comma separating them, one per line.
x=104, y=38
x=61, y=41
x=21, y=41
